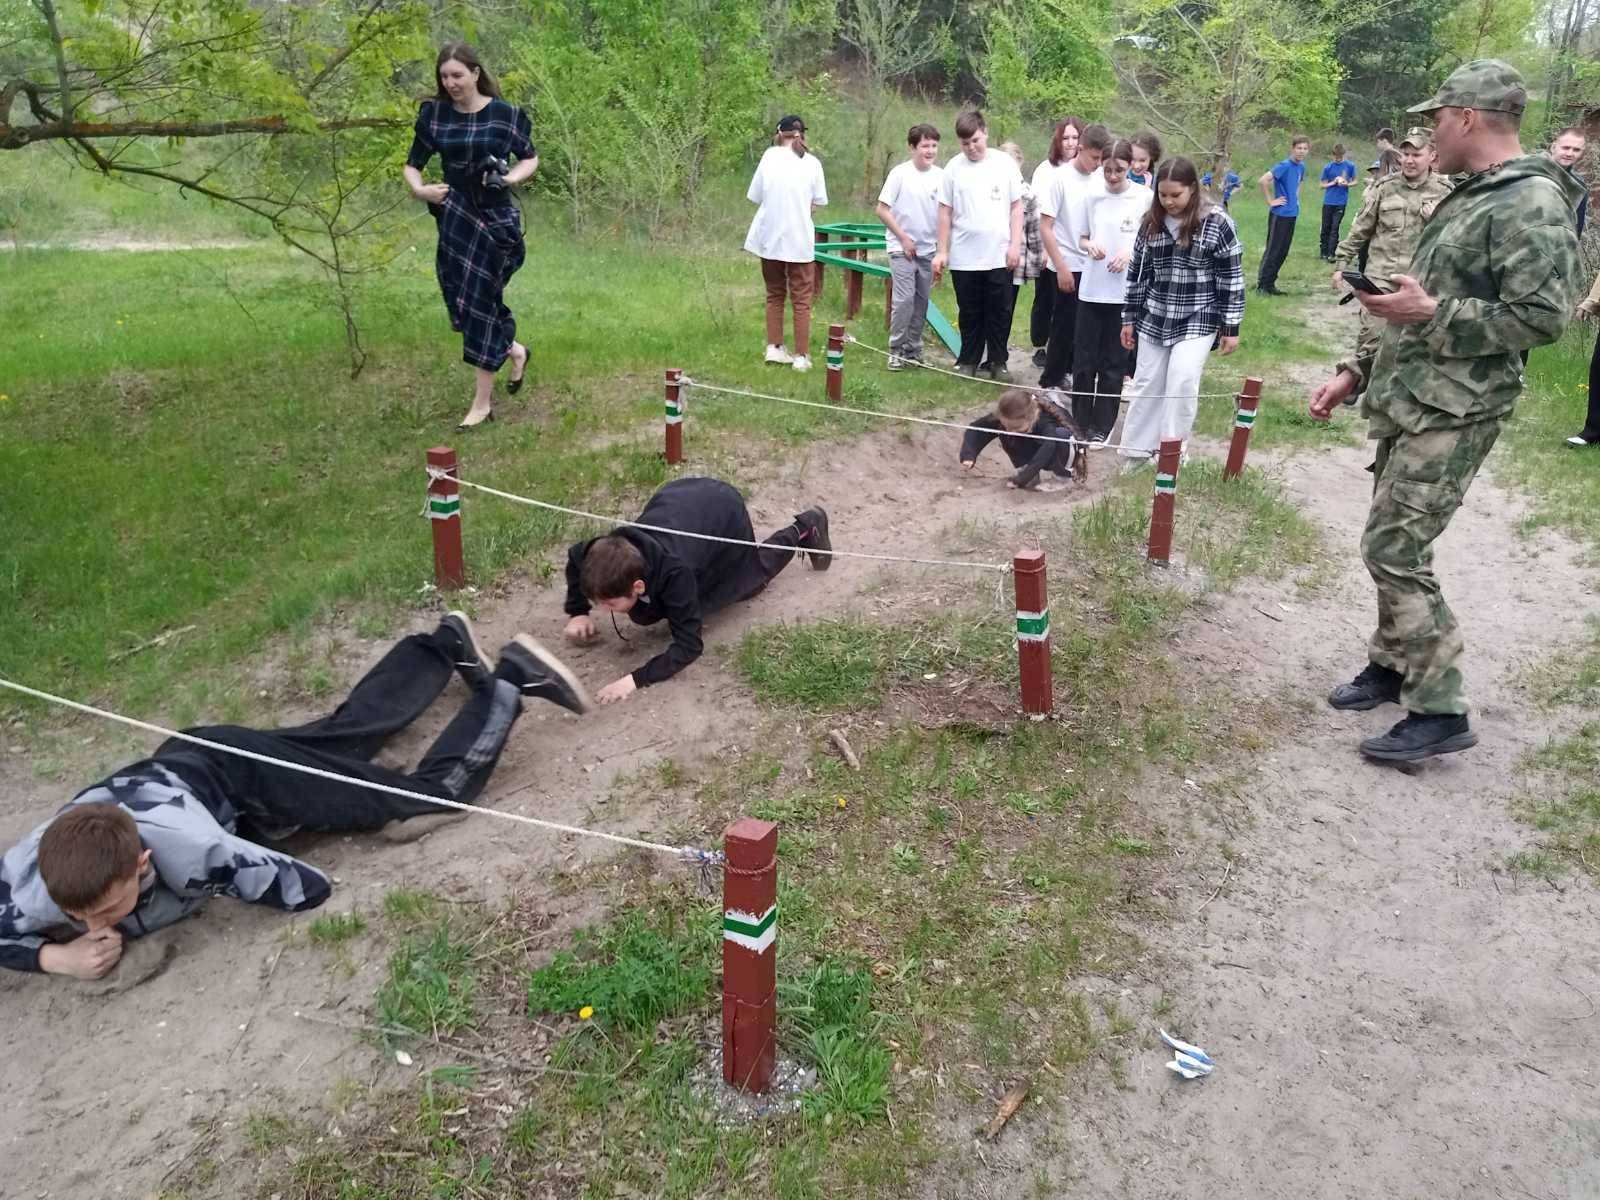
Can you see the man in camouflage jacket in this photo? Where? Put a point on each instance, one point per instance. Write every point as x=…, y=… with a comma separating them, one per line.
x=1387, y=227
x=1495, y=272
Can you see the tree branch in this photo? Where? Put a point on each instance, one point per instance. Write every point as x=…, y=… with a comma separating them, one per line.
x=14, y=137
x=47, y=9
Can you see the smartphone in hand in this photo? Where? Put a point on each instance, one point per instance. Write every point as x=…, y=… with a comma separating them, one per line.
x=1361, y=283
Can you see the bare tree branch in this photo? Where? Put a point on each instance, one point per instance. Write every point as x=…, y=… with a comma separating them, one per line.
x=14, y=137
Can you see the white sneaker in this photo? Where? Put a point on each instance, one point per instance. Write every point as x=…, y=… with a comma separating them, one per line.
x=896, y=363
x=802, y=362
x=777, y=354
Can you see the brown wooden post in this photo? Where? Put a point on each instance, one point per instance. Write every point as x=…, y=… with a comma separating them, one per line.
x=1033, y=632
x=1244, y=420
x=1166, y=498
x=750, y=954
x=816, y=291
x=836, y=363
x=444, y=514
x=674, y=417
x=852, y=288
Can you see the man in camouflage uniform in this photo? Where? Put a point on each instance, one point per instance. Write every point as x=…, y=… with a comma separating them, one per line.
x=1494, y=273
x=1387, y=228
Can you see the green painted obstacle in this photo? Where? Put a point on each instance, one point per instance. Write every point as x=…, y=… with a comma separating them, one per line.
x=867, y=236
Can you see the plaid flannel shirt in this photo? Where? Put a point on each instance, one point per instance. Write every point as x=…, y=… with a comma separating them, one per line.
x=1033, y=259
x=1176, y=293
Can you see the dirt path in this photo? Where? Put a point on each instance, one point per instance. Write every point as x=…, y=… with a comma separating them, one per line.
x=1392, y=1016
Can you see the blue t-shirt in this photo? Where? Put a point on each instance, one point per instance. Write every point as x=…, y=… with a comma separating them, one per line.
x=1286, y=177
x=1230, y=184
x=1338, y=169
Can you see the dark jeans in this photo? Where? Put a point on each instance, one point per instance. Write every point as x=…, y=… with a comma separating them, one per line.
x=983, y=309
x=1044, y=303
x=1280, y=232
x=1591, y=427
x=1332, y=219
x=1063, y=335
x=1098, y=366
x=389, y=697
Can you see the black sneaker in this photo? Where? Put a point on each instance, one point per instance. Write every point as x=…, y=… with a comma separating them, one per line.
x=970, y=370
x=814, y=536
x=998, y=373
x=1374, y=686
x=1421, y=735
x=472, y=664
x=537, y=672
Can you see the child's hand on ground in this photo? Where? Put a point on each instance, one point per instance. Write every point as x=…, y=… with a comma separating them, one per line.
x=620, y=690
x=88, y=957
x=581, y=629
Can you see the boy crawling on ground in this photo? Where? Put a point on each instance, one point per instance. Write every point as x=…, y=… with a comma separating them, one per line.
x=151, y=844
x=1016, y=415
x=651, y=575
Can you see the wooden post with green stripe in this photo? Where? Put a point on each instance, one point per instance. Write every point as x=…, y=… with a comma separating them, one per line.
x=836, y=362
x=750, y=954
x=444, y=514
x=674, y=416
x=1244, y=420
x=1166, y=499
x=1033, y=632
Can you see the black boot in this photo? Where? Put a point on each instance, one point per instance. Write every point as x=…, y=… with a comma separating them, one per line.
x=814, y=536
x=1374, y=686
x=472, y=664
x=536, y=672
x=1421, y=735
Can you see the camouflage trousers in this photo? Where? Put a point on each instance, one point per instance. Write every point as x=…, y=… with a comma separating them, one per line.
x=1368, y=334
x=1420, y=481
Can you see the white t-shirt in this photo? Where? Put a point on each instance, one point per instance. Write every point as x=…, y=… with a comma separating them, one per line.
x=785, y=186
x=980, y=195
x=1044, y=179
x=1113, y=220
x=1069, y=188
x=913, y=198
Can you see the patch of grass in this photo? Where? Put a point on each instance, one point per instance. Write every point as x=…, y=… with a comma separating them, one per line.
x=831, y=1008
x=431, y=984
x=632, y=973
x=1562, y=802
x=410, y=904
x=1564, y=482
x=334, y=929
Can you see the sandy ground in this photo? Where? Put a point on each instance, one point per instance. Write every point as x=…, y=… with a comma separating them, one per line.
x=104, y=1090
x=1392, y=1014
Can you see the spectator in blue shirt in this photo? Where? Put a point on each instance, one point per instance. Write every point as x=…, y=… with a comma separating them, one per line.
x=1338, y=177
x=1281, y=187
x=1230, y=184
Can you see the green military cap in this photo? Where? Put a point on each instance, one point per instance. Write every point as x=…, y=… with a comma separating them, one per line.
x=1486, y=84
x=1418, y=138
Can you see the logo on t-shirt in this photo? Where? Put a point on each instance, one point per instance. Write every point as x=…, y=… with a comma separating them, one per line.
x=994, y=192
x=1128, y=225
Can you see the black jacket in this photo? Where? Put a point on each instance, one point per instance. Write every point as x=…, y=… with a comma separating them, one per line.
x=685, y=579
x=1028, y=454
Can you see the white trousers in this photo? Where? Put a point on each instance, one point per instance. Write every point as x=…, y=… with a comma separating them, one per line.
x=1166, y=394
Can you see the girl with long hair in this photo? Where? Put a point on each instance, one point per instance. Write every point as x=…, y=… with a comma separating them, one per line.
x=787, y=188
x=1063, y=145
x=1185, y=296
x=475, y=132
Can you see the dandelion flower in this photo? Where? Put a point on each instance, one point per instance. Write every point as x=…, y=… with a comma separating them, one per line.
x=841, y=801
x=585, y=1012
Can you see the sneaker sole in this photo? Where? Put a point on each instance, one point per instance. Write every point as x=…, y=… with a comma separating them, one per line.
x=556, y=667
x=821, y=562
x=1362, y=705
x=1450, y=745
x=485, y=663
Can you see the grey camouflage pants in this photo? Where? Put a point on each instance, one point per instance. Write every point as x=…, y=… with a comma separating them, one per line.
x=1420, y=481
x=908, y=311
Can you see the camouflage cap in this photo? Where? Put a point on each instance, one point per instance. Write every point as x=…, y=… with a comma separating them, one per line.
x=1486, y=84
x=1418, y=138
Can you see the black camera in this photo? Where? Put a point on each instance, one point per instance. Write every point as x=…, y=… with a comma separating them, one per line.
x=493, y=174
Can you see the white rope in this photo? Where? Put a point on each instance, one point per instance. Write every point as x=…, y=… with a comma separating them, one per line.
x=1076, y=444
x=694, y=853
x=1026, y=387
x=437, y=472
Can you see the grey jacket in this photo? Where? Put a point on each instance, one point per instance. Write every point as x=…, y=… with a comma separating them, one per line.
x=194, y=854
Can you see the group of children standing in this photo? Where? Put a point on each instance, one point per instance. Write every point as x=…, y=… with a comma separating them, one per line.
x=1137, y=271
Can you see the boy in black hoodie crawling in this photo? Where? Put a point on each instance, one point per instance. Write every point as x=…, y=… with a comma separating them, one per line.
x=1017, y=415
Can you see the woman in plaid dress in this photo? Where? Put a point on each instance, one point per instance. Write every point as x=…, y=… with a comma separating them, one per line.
x=1185, y=297
x=480, y=226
